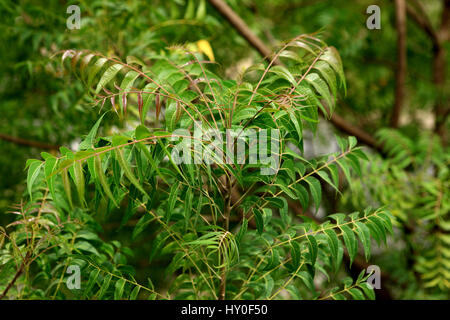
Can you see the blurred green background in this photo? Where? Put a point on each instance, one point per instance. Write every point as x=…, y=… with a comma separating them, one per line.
x=42, y=107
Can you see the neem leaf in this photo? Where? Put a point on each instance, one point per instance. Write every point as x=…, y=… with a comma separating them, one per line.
x=316, y=190
x=89, y=141
x=259, y=220
x=34, y=167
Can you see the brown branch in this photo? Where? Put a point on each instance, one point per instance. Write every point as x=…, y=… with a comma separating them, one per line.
x=442, y=107
x=352, y=130
x=400, y=75
x=242, y=28
x=255, y=42
x=444, y=31
x=16, y=276
x=423, y=22
x=30, y=143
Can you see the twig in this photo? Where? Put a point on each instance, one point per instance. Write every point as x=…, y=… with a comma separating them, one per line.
x=242, y=28
x=16, y=276
x=423, y=22
x=350, y=129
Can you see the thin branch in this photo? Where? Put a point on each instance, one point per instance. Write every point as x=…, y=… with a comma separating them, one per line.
x=30, y=143
x=438, y=37
x=423, y=22
x=352, y=130
x=442, y=108
x=444, y=31
x=242, y=28
x=255, y=42
x=16, y=276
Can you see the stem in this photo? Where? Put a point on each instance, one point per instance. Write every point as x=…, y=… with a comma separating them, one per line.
x=16, y=276
x=227, y=211
x=242, y=28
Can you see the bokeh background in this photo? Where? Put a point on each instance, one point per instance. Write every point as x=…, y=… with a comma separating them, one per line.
x=42, y=107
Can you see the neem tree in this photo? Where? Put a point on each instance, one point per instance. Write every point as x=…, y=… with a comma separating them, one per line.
x=225, y=225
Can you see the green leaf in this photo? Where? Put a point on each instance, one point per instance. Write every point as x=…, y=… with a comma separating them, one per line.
x=108, y=75
x=95, y=69
x=346, y=171
x=172, y=115
x=50, y=166
x=386, y=217
x=89, y=141
x=287, y=190
x=127, y=170
x=242, y=231
x=333, y=244
x=316, y=190
x=105, y=286
x=189, y=14
x=274, y=260
x=268, y=286
x=259, y=220
x=283, y=73
x=66, y=184
x=86, y=246
x=356, y=294
x=188, y=203
x=334, y=171
x=352, y=142
x=302, y=195
x=312, y=246
x=354, y=163
x=380, y=226
x=360, y=154
x=140, y=225
x=350, y=241
x=126, y=85
x=296, y=255
x=374, y=231
x=119, y=286
x=321, y=87
x=33, y=172
x=332, y=57
x=172, y=200
x=79, y=181
x=368, y=291
x=327, y=73
x=324, y=175
x=307, y=280
x=157, y=244
x=201, y=10
x=134, y=293
x=102, y=178
x=284, y=212
x=364, y=236
x=93, y=276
